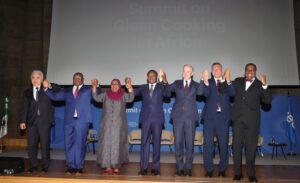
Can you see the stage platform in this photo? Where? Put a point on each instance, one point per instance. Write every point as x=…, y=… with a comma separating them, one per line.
x=129, y=173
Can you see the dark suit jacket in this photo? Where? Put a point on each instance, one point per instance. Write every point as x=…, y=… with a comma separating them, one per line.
x=213, y=98
x=152, y=107
x=82, y=103
x=185, y=106
x=247, y=102
x=29, y=107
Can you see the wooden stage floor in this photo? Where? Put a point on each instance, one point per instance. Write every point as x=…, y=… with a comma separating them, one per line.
x=129, y=173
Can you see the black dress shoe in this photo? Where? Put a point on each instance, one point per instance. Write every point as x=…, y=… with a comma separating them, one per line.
x=188, y=172
x=70, y=171
x=237, y=177
x=209, y=174
x=79, y=171
x=45, y=169
x=253, y=179
x=222, y=174
x=142, y=172
x=155, y=172
x=32, y=170
x=180, y=173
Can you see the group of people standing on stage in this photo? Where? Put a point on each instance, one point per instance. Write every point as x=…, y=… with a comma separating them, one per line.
x=248, y=93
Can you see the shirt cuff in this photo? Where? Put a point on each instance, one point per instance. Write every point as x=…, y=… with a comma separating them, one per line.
x=265, y=87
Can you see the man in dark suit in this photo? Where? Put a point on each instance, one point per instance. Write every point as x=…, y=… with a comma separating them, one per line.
x=77, y=119
x=216, y=117
x=37, y=116
x=250, y=93
x=185, y=117
x=152, y=121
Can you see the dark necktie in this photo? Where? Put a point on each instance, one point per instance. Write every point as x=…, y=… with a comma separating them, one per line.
x=151, y=90
x=249, y=80
x=186, y=87
x=76, y=91
x=37, y=100
x=218, y=85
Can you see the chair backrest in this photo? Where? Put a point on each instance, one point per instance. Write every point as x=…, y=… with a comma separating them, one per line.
x=135, y=135
x=92, y=135
x=167, y=136
x=198, y=138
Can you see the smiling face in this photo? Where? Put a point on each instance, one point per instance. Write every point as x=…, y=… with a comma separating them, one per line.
x=216, y=71
x=152, y=77
x=187, y=72
x=78, y=79
x=114, y=86
x=250, y=71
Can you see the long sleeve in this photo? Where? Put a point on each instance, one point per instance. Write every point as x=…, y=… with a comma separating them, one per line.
x=266, y=96
x=228, y=88
x=137, y=92
x=166, y=93
x=129, y=97
x=58, y=96
x=99, y=97
x=199, y=90
x=24, y=109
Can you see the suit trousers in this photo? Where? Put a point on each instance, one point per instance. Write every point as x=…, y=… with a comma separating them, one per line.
x=39, y=132
x=75, y=143
x=151, y=131
x=184, y=134
x=218, y=127
x=245, y=132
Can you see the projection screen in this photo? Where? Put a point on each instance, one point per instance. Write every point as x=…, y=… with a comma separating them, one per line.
x=108, y=39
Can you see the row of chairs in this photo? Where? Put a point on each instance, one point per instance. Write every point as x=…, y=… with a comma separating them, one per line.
x=167, y=138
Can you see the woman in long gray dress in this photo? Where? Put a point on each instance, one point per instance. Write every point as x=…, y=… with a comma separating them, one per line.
x=113, y=144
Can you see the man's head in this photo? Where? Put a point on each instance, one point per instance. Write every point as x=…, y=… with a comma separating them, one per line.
x=187, y=72
x=216, y=70
x=250, y=71
x=37, y=78
x=78, y=79
x=151, y=76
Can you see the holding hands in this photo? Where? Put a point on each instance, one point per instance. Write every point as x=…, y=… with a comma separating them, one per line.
x=204, y=76
x=46, y=84
x=226, y=75
x=94, y=83
x=128, y=84
x=162, y=76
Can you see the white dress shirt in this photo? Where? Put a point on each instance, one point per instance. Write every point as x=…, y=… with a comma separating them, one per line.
x=35, y=90
x=74, y=88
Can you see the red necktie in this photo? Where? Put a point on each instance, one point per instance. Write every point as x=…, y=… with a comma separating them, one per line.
x=76, y=91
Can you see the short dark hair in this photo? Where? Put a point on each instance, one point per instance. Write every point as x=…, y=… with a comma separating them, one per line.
x=78, y=74
x=216, y=63
x=152, y=71
x=250, y=64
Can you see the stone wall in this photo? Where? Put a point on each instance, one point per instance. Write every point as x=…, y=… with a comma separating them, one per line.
x=24, y=45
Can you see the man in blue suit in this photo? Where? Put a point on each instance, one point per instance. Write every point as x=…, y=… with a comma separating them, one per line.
x=152, y=121
x=185, y=117
x=216, y=117
x=77, y=119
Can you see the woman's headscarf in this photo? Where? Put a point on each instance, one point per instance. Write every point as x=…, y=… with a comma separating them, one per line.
x=115, y=95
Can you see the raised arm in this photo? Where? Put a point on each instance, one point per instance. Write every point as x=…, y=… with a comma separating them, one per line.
x=129, y=97
x=98, y=97
x=266, y=96
x=53, y=95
